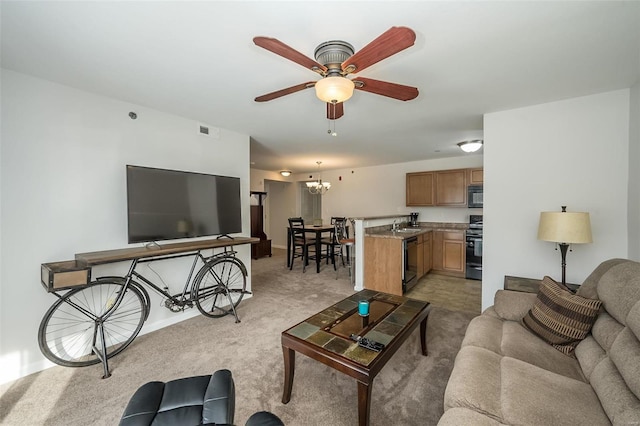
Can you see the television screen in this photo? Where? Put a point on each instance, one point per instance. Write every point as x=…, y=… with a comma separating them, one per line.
x=169, y=204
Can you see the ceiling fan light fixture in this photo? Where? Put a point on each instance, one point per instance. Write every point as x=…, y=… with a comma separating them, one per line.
x=471, y=146
x=285, y=173
x=334, y=89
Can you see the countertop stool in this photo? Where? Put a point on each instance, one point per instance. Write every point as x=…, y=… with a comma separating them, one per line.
x=346, y=244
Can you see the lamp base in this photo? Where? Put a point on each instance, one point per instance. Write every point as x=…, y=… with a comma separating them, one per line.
x=563, y=253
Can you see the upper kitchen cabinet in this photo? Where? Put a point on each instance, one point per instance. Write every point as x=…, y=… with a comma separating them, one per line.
x=441, y=187
x=451, y=188
x=475, y=176
x=420, y=189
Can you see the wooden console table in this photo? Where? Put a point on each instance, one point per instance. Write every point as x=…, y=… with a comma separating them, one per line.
x=119, y=255
x=69, y=274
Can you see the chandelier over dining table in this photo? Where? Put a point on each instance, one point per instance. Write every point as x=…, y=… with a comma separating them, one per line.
x=318, y=187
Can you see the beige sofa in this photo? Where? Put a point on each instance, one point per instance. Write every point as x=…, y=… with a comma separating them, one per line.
x=504, y=374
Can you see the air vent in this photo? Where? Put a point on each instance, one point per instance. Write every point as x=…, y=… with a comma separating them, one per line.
x=209, y=131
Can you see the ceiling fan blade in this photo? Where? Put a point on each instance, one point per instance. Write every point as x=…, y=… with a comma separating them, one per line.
x=279, y=48
x=384, y=88
x=388, y=43
x=283, y=92
x=335, y=111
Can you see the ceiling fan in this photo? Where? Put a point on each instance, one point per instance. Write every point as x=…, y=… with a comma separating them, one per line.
x=335, y=59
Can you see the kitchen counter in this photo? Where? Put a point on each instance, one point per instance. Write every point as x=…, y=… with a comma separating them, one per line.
x=389, y=216
x=424, y=227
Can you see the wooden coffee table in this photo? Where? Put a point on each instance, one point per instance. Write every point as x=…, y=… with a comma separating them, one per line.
x=325, y=338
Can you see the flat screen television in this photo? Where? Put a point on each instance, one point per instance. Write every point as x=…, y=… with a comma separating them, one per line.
x=168, y=204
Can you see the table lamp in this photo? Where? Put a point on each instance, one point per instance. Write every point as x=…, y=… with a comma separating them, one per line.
x=564, y=228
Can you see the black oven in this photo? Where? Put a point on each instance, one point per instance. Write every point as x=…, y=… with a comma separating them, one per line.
x=473, y=268
x=410, y=263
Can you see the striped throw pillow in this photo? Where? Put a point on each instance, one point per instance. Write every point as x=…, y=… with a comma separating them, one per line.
x=560, y=317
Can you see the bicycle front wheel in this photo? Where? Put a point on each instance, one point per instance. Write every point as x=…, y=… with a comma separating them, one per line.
x=220, y=285
x=70, y=328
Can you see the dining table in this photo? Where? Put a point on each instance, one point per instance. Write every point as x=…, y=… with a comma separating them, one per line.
x=317, y=230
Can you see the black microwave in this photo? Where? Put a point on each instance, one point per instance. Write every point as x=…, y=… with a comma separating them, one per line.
x=474, y=197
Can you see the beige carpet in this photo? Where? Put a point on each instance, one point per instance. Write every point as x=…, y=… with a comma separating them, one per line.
x=408, y=391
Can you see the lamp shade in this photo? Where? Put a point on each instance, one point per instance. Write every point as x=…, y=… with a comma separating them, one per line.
x=334, y=89
x=565, y=227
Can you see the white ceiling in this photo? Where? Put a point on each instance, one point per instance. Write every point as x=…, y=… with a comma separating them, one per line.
x=197, y=60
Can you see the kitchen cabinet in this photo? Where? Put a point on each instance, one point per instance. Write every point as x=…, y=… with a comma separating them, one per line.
x=441, y=187
x=451, y=188
x=475, y=176
x=420, y=187
x=383, y=264
x=449, y=253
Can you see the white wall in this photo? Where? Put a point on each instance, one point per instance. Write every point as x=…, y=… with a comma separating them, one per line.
x=634, y=174
x=63, y=192
x=538, y=158
x=260, y=178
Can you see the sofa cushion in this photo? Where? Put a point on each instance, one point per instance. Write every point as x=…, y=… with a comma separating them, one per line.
x=560, y=317
x=463, y=416
x=509, y=338
x=619, y=289
x=511, y=391
x=625, y=354
x=605, y=330
x=589, y=354
x=475, y=382
x=621, y=406
x=633, y=319
x=513, y=305
x=533, y=396
x=588, y=288
x=484, y=332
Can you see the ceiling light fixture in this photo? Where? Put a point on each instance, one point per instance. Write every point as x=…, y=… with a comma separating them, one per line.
x=334, y=89
x=318, y=187
x=471, y=146
x=285, y=173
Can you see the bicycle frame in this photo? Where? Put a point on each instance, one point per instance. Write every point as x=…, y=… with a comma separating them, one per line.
x=178, y=298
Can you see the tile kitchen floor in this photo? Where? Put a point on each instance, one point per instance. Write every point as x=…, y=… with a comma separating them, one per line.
x=456, y=294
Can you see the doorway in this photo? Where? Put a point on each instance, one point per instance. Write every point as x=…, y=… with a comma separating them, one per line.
x=310, y=205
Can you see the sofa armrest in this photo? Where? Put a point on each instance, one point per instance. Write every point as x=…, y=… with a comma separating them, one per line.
x=513, y=305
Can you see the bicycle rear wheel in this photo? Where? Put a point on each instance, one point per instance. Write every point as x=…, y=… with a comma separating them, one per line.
x=70, y=328
x=220, y=285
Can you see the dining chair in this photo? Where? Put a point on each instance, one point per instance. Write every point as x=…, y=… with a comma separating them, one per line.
x=333, y=246
x=345, y=244
x=299, y=242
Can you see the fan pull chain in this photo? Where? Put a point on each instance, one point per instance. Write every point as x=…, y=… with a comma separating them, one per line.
x=329, y=131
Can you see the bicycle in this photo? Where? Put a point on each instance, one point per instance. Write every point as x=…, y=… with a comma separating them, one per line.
x=91, y=324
